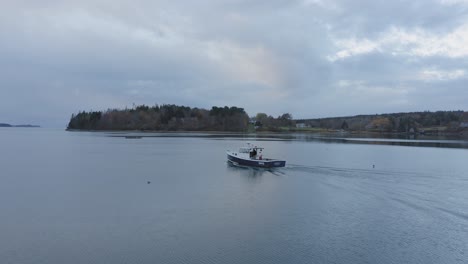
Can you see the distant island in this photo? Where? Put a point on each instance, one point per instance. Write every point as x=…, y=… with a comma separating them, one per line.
x=171, y=117
x=8, y=125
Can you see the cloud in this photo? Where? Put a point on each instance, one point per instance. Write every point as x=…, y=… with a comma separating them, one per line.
x=354, y=47
x=453, y=2
x=250, y=64
x=312, y=58
x=441, y=75
x=402, y=42
x=364, y=91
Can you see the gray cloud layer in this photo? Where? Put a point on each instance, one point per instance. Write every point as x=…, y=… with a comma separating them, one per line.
x=312, y=58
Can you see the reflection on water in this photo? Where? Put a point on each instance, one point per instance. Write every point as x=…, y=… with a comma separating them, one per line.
x=374, y=139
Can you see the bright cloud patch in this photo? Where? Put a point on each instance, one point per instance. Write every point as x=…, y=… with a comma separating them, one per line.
x=400, y=41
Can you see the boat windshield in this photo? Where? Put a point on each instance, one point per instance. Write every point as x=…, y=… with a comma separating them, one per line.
x=244, y=150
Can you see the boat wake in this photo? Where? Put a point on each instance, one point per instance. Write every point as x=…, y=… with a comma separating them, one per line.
x=328, y=170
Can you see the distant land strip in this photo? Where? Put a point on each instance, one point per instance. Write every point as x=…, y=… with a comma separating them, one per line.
x=426, y=122
x=8, y=125
x=170, y=117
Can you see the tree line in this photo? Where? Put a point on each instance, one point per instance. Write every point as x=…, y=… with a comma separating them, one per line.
x=396, y=122
x=167, y=117
x=170, y=117
x=264, y=122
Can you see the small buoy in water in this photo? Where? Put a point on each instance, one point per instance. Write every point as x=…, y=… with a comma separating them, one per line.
x=149, y=182
x=373, y=166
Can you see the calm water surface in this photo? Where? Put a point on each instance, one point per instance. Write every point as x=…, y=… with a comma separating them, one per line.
x=79, y=197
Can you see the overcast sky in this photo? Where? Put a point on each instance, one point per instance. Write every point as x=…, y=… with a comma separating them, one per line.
x=311, y=58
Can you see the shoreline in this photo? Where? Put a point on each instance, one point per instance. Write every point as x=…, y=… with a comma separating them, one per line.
x=321, y=133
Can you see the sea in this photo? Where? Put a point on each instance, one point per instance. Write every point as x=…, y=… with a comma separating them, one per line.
x=140, y=197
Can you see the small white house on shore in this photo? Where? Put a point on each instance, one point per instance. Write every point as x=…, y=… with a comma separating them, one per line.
x=301, y=125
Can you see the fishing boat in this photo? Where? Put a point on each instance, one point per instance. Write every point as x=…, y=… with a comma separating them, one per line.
x=252, y=156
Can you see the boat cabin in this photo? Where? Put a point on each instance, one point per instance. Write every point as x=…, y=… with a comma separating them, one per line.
x=253, y=152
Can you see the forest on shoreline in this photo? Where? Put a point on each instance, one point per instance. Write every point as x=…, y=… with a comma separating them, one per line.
x=170, y=117
x=439, y=122
x=166, y=117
